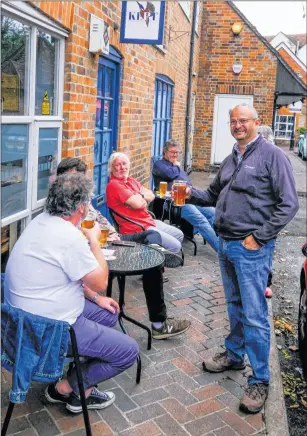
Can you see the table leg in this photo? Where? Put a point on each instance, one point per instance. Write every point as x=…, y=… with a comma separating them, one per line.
x=110, y=283
x=121, y=285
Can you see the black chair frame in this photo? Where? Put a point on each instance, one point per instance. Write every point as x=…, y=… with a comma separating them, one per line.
x=76, y=362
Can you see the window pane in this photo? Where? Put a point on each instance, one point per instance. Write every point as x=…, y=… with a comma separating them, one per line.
x=46, y=67
x=99, y=103
x=14, y=165
x=107, y=115
x=47, y=159
x=108, y=83
x=15, y=56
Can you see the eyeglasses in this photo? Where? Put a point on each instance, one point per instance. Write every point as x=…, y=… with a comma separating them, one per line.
x=241, y=121
x=174, y=152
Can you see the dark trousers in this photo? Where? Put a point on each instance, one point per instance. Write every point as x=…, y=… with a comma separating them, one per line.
x=153, y=279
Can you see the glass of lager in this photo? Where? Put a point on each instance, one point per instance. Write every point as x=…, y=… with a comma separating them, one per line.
x=179, y=189
x=104, y=233
x=162, y=189
x=89, y=220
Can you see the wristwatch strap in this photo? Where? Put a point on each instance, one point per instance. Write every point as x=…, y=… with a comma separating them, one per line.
x=93, y=300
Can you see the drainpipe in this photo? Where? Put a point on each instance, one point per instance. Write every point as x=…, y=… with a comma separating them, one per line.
x=187, y=118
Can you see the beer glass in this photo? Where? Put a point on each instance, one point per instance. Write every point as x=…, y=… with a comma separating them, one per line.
x=89, y=220
x=179, y=189
x=104, y=233
x=162, y=189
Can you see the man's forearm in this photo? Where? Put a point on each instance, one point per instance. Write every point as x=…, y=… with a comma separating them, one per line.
x=202, y=198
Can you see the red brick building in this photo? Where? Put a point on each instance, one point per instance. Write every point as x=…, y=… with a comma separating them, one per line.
x=59, y=99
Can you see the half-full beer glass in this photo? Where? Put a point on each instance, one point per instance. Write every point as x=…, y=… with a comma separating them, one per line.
x=89, y=220
x=162, y=189
x=104, y=233
x=179, y=189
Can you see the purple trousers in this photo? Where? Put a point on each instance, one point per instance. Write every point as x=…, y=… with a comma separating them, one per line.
x=109, y=351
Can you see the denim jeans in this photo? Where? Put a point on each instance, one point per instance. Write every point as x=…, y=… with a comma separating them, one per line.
x=110, y=352
x=245, y=274
x=202, y=218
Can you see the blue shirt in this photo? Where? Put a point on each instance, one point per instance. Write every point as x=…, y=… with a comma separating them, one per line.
x=236, y=149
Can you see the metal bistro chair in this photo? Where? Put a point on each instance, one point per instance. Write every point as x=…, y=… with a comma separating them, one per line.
x=76, y=362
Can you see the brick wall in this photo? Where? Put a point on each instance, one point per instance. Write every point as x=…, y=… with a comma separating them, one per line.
x=219, y=50
x=293, y=64
x=140, y=65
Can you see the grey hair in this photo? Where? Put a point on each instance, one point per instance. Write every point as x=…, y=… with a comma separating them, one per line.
x=170, y=143
x=248, y=106
x=267, y=133
x=114, y=156
x=67, y=193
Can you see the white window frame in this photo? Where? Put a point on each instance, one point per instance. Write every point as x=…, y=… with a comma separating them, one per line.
x=278, y=122
x=37, y=21
x=197, y=18
x=186, y=7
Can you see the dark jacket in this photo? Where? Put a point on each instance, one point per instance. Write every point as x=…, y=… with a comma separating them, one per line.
x=256, y=197
x=32, y=348
x=165, y=171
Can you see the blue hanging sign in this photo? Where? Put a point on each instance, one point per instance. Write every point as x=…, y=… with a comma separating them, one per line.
x=142, y=22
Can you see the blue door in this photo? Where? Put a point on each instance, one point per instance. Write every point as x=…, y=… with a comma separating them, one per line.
x=106, y=124
x=162, y=119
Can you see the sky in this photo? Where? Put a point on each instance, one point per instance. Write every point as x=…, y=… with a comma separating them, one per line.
x=271, y=17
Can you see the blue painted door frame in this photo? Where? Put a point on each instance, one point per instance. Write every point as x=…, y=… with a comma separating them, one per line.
x=107, y=104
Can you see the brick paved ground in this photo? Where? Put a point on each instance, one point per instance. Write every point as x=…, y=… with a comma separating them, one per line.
x=175, y=397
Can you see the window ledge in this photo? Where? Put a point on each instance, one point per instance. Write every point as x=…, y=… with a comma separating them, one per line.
x=161, y=49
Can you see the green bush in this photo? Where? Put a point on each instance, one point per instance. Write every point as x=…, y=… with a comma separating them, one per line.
x=301, y=130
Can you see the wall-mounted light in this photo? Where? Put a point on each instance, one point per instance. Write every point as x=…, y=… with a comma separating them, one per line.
x=237, y=67
x=236, y=28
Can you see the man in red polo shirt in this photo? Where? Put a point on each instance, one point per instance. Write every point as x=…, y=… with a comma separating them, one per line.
x=128, y=197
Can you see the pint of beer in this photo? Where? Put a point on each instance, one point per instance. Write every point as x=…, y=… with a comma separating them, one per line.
x=162, y=189
x=89, y=220
x=104, y=233
x=179, y=189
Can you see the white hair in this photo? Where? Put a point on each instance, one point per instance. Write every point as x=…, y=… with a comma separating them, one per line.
x=251, y=108
x=267, y=133
x=114, y=156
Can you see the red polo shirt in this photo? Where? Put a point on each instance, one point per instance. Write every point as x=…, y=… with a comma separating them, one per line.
x=118, y=192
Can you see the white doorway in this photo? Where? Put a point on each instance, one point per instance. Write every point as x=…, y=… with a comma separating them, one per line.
x=222, y=141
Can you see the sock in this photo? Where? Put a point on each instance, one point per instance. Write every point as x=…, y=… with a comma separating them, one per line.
x=64, y=395
x=157, y=325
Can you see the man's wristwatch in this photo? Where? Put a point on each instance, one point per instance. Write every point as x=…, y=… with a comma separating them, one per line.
x=93, y=300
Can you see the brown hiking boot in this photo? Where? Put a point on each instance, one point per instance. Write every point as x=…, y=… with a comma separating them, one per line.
x=254, y=398
x=221, y=362
x=171, y=327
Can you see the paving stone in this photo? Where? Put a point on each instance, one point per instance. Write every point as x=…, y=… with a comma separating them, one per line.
x=178, y=392
x=160, y=368
x=98, y=429
x=114, y=418
x=217, y=324
x=157, y=381
x=235, y=422
x=232, y=387
x=150, y=397
x=186, y=366
x=148, y=428
x=256, y=421
x=18, y=424
x=169, y=426
x=72, y=422
x=184, y=380
x=201, y=309
x=43, y=423
x=196, y=334
x=231, y=402
x=201, y=426
x=217, y=333
x=204, y=295
x=205, y=288
x=123, y=401
x=209, y=343
x=208, y=391
x=218, y=309
x=28, y=432
x=145, y=413
x=207, y=378
x=183, y=302
x=225, y=431
x=202, y=301
x=190, y=355
x=206, y=407
x=177, y=411
x=183, y=289
x=162, y=357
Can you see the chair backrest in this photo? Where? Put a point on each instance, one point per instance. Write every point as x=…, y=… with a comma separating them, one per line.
x=32, y=348
x=115, y=215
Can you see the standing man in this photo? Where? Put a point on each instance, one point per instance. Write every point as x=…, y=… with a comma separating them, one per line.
x=255, y=197
x=168, y=170
x=129, y=198
x=55, y=272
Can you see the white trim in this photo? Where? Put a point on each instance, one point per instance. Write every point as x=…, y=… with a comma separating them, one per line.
x=32, y=71
x=294, y=57
x=11, y=119
x=16, y=217
x=61, y=73
x=32, y=16
x=187, y=10
x=197, y=18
